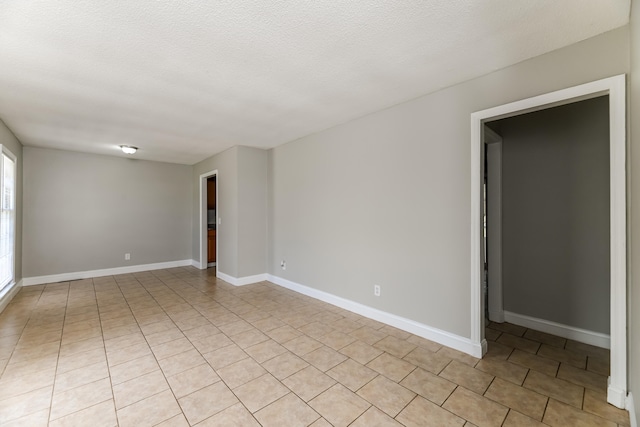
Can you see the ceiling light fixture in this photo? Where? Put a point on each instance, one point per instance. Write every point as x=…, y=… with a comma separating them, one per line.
x=128, y=149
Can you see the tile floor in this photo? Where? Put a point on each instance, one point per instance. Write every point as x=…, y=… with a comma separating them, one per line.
x=178, y=347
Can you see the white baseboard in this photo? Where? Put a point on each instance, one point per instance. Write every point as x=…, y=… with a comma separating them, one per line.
x=241, y=281
x=442, y=337
x=577, y=334
x=632, y=411
x=63, y=277
x=195, y=264
x=7, y=294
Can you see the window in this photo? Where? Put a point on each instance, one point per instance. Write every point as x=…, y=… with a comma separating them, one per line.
x=7, y=217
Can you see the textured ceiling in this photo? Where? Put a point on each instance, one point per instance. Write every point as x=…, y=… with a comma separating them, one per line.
x=187, y=79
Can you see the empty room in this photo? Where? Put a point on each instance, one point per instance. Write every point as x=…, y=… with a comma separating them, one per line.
x=370, y=213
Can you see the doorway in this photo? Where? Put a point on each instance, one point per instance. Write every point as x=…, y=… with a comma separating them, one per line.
x=615, y=88
x=209, y=231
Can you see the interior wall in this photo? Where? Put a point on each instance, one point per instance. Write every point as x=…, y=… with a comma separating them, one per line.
x=555, y=210
x=634, y=213
x=252, y=211
x=385, y=199
x=84, y=212
x=8, y=139
x=226, y=163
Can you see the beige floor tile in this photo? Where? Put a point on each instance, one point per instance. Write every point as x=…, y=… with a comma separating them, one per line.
x=587, y=350
x=520, y=343
x=595, y=402
x=36, y=419
x=100, y=415
x=398, y=333
x=240, y=372
x=475, y=408
x=424, y=343
x=283, y=334
x=17, y=385
x=458, y=355
x=391, y=367
x=583, y=378
x=491, y=334
x=559, y=414
x=503, y=369
x=171, y=348
x=150, y=411
x=339, y=406
x=25, y=404
x=516, y=419
x=258, y=393
x=193, y=379
x=30, y=353
x=522, y=400
x=561, y=390
x=124, y=341
x=351, y=374
x=386, y=395
x=81, y=376
x=236, y=327
x=420, y=409
x=76, y=399
x=316, y=330
x=361, y=352
x=287, y=411
x=265, y=350
x=234, y=415
x=308, y=383
x=139, y=388
x=128, y=353
x=508, y=328
x=225, y=356
x=373, y=417
x=268, y=324
x=498, y=351
x=321, y=422
x=368, y=335
x=534, y=362
x=249, y=338
x=324, y=358
x=285, y=365
x=466, y=376
x=599, y=366
x=212, y=343
x=432, y=362
x=428, y=385
x=176, y=421
x=302, y=345
x=181, y=362
x=395, y=346
x=337, y=340
x=545, y=338
x=133, y=368
x=565, y=356
x=206, y=402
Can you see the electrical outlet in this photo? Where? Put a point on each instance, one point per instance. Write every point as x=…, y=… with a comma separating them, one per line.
x=219, y=221
x=283, y=264
x=127, y=257
x=376, y=290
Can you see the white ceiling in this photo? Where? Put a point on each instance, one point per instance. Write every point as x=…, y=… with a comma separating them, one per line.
x=187, y=79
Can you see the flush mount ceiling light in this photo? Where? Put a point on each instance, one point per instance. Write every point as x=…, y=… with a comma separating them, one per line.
x=128, y=149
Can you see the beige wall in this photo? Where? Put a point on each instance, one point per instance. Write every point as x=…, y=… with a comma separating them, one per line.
x=83, y=212
x=555, y=210
x=8, y=139
x=385, y=199
x=634, y=213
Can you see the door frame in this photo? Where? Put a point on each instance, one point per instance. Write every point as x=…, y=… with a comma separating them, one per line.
x=615, y=87
x=493, y=144
x=203, y=218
